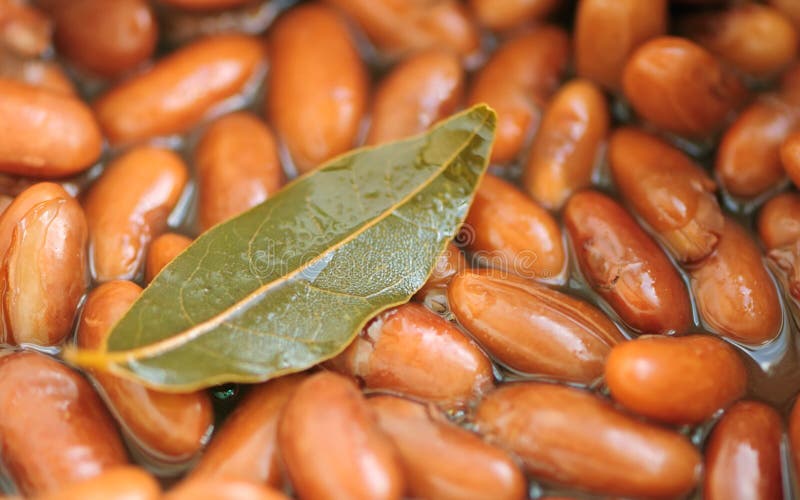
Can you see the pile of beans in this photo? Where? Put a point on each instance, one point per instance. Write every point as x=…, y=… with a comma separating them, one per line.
x=617, y=318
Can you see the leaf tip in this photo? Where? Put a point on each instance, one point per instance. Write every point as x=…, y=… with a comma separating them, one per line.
x=86, y=358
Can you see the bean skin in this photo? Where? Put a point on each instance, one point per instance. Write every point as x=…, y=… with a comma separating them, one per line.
x=743, y=454
x=419, y=91
x=532, y=328
x=680, y=87
x=222, y=490
x=54, y=430
x=567, y=144
x=116, y=483
x=735, y=295
x=344, y=455
x=789, y=8
x=677, y=380
x=206, y=4
x=442, y=460
x=625, y=266
x=794, y=436
x=673, y=195
x=180, y=89
x=449, y=263
x=128, y=206
x=502, y=15
x=47, y=75
x=606, y=33
x=779, y=228
x=317, y=91
x=571, y=437
x=24, y=30
x=161, y=252
x=517, y=81
x=413, y=351
x=790, y=157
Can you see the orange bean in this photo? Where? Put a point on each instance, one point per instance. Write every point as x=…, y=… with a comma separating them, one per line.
x=513, y=233
x=161, y=252
x=779, y=220
x=678, y=380
x=790, y=157
x=168, y=427
x=531, y=328
x=206, y=4
x=23, y=29
x=517, y=81
x=501, y=15
x=317, y=91
x=45, y=134
x=442, y=460
x=128, y=206
x=449, y=263
x=680, y=87
x=743, y=454
x=419, y=91
x=673, y=195
x=194, y=489
x=54, y=430
x=116, y=483
x=571, y=437
x=625, y=266
x=735, y=294
x=344, y=455
x=794, y=436
x=411, y=350
x=567, y=144
x=606, y=33
x=46, y=75
x=181, y=89
x=789, y=8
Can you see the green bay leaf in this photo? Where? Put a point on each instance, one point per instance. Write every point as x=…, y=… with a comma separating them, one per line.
x=289, y=283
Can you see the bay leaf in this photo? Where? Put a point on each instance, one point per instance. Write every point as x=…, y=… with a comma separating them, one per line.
x=289, y=283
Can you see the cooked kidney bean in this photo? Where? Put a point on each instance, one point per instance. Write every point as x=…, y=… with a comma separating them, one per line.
x=47, y=75
x=237, y=167
x=54, y=430
x=442, y=460
x=625, y=266
x=680, y=87
x=344, y=454
x=568, y=436
x=517, y=81
x=779, y=228
x=420, y=90
x=502, y=15
x=208, y=489
x=606, y=33
x=789, y=8
x=678, y=380
x=449, y=263
x=246, y=447
x=413, y=351
x=128, y=206
x=317, y=91
x=511, y=232
x=673, y=195
x=180, y=89
x=567, y=145
x=794, y=435
x=116, y=483
x=790, y=157
x=205, y=4
x=161, y=252
x=743, y=454
x=531, y=328
x=24, y=30
x=735, y=294
x=167, y=427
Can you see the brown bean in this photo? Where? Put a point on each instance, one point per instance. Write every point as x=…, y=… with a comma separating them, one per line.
x=779, y=220
x=168, y=427
x=571, y=437
x=606, y=33
x=442, y=460
x=789, y=8
x=794, y=436
x=735, y=295
x=43, y=272
x=344, y=455
x=246, y=447
x=317, y=91
x=161, y=252
x=449, y=263
x=237, y=167
x=625, y=266
x=755, y=39
x=790, y=157
x=399, y=28
x=673, y=195
x=501, y=15
x=413, y=351
x=566, y=147
x=531, y=328
x=128, y=206
x=45, y=134
x=46, y=75
x=207, y=489
x=24, y=30
x=748, y=159
x=54, y=430
x=678, y=380
x=419, y=91
x=513, y=233
x=206, y=4
x=680, y=87
x=743, y=454
x=181, y=89
x=517, y=81
x=116, y=483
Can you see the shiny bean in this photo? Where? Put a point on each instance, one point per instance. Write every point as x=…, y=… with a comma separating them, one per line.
x=625, y=266
x=24, y=30
x=531, y=328
x=116, y=483
x=222, y=490
x=571, y=437
x=161, y=252
x=46, y=75
x=779, y=228
x=500, y=15
x=790, y=157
